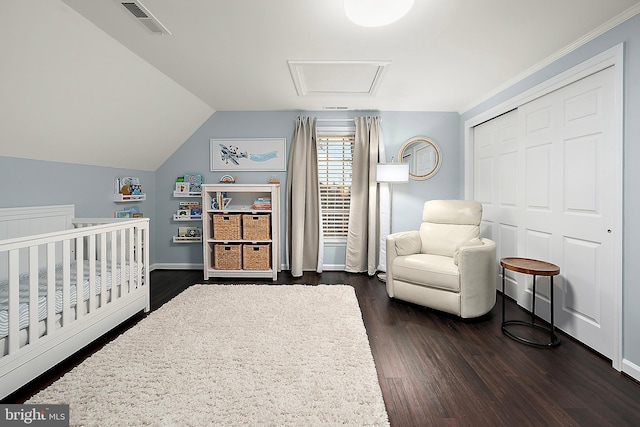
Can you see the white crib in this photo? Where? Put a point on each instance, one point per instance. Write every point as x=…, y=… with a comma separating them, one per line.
x=46, y=314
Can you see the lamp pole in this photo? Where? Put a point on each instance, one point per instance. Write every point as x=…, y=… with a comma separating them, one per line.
x=391, y=173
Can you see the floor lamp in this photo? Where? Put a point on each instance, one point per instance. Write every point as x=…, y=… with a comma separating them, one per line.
x=391, y=173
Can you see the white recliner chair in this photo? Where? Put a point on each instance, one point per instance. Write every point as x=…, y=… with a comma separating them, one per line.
x=446, y=265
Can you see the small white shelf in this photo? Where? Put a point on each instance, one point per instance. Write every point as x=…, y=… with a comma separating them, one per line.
x=187, y=194
x=185, y=218
x=178, y=239
x=124, y=198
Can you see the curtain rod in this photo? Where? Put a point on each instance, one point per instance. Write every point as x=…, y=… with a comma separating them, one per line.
x=334, y=120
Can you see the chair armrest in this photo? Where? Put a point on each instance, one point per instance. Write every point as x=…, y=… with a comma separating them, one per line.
x=478, y=278
x=404, y=243
x=399, y=244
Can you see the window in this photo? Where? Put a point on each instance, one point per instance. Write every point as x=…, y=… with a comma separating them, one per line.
x=335, y=159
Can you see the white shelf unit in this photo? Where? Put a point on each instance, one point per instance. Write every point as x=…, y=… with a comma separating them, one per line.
x=242, y=198
x=186, y=218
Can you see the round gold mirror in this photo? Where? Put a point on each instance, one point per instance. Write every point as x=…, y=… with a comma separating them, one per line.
x=423, y=156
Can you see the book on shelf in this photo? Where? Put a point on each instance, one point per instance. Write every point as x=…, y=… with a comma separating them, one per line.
x=189, y=184
x=127, y=185
x=221, y=201
x=191, y=210
x=129, y=212
x=262, y=203
x=192, y=232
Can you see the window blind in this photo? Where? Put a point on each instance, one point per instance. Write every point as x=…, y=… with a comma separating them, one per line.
x=335, y=160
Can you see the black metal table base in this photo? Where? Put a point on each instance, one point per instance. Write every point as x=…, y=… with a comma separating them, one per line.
x=553, y=338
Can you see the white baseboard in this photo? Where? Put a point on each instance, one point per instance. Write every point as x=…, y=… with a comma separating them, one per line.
x=333, y=267
x=176, y=266
x=631, y=369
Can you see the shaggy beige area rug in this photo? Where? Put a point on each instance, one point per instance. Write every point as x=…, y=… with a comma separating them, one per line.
x=233, y=355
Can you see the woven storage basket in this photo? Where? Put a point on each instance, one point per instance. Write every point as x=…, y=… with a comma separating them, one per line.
x=256, y=227
x=227, y=257
x=227, y=227
x=256, y=257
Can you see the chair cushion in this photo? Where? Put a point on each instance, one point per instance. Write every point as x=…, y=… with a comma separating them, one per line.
x=427, y=270
x=462, y=212
x=447, y=224
x=443, y=239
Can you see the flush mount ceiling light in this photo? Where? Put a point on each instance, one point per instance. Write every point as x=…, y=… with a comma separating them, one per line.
x=376, y=13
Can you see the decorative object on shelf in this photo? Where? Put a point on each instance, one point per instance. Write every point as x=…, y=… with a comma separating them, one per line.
x=127, y=189
x=188, y=211
x=423, y=156
x=252, y=154
x=128, y=212
x=182, y=187
x=188, y=234
x=188, y=185
x=274, y=180
x=195, y=182
x=227, y=179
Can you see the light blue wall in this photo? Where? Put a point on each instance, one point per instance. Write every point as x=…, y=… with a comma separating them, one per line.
x=89, y=188
x=397, y=127
x=629, y=34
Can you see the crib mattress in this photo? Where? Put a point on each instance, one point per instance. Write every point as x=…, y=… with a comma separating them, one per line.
x=23, y=311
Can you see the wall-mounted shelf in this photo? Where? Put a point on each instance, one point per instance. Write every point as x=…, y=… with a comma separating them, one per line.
x=187, y=194
x=126, y=198
x=178, y=239
x=177, y=217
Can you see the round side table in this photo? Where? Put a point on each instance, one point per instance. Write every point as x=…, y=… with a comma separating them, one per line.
x=535, y=268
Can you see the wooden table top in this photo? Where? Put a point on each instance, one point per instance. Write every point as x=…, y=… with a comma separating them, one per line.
x=530, y=266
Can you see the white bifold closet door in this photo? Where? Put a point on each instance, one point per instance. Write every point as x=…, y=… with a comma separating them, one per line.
x=545, y=174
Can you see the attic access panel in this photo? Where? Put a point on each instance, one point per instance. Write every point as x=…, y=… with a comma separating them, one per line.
x=337, y=77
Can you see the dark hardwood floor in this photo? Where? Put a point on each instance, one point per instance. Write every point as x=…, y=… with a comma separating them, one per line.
x=438, y=370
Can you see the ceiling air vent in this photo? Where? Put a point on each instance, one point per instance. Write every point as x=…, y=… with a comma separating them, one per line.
x=142, y=14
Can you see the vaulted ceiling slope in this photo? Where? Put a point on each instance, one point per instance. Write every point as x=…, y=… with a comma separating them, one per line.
x=71, y=93
x=85, y=82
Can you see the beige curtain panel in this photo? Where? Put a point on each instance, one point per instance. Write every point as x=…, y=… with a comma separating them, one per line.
x=363, y=244
x=305, y=248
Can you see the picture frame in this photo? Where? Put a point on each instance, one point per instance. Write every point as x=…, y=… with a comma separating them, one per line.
x=248, y=154
x=182, y=187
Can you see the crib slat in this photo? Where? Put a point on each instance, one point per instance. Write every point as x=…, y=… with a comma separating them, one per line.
x=33, y=294
x=92, y=274
x=14, y=268
x=66, y=282
x=138, y=259
x=145, y=265
x=79, y=277
x=123, y=254
x=51, y=288
x=103, y=269
x=113, y=260
x=130, y=260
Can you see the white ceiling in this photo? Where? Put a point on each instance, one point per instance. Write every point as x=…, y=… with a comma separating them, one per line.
x=84, y=82
x=446, y=55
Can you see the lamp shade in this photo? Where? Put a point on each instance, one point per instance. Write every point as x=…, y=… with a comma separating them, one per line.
x=376, y=13
x=392, y=172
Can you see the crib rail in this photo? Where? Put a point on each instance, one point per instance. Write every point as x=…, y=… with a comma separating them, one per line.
x=97, y=241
